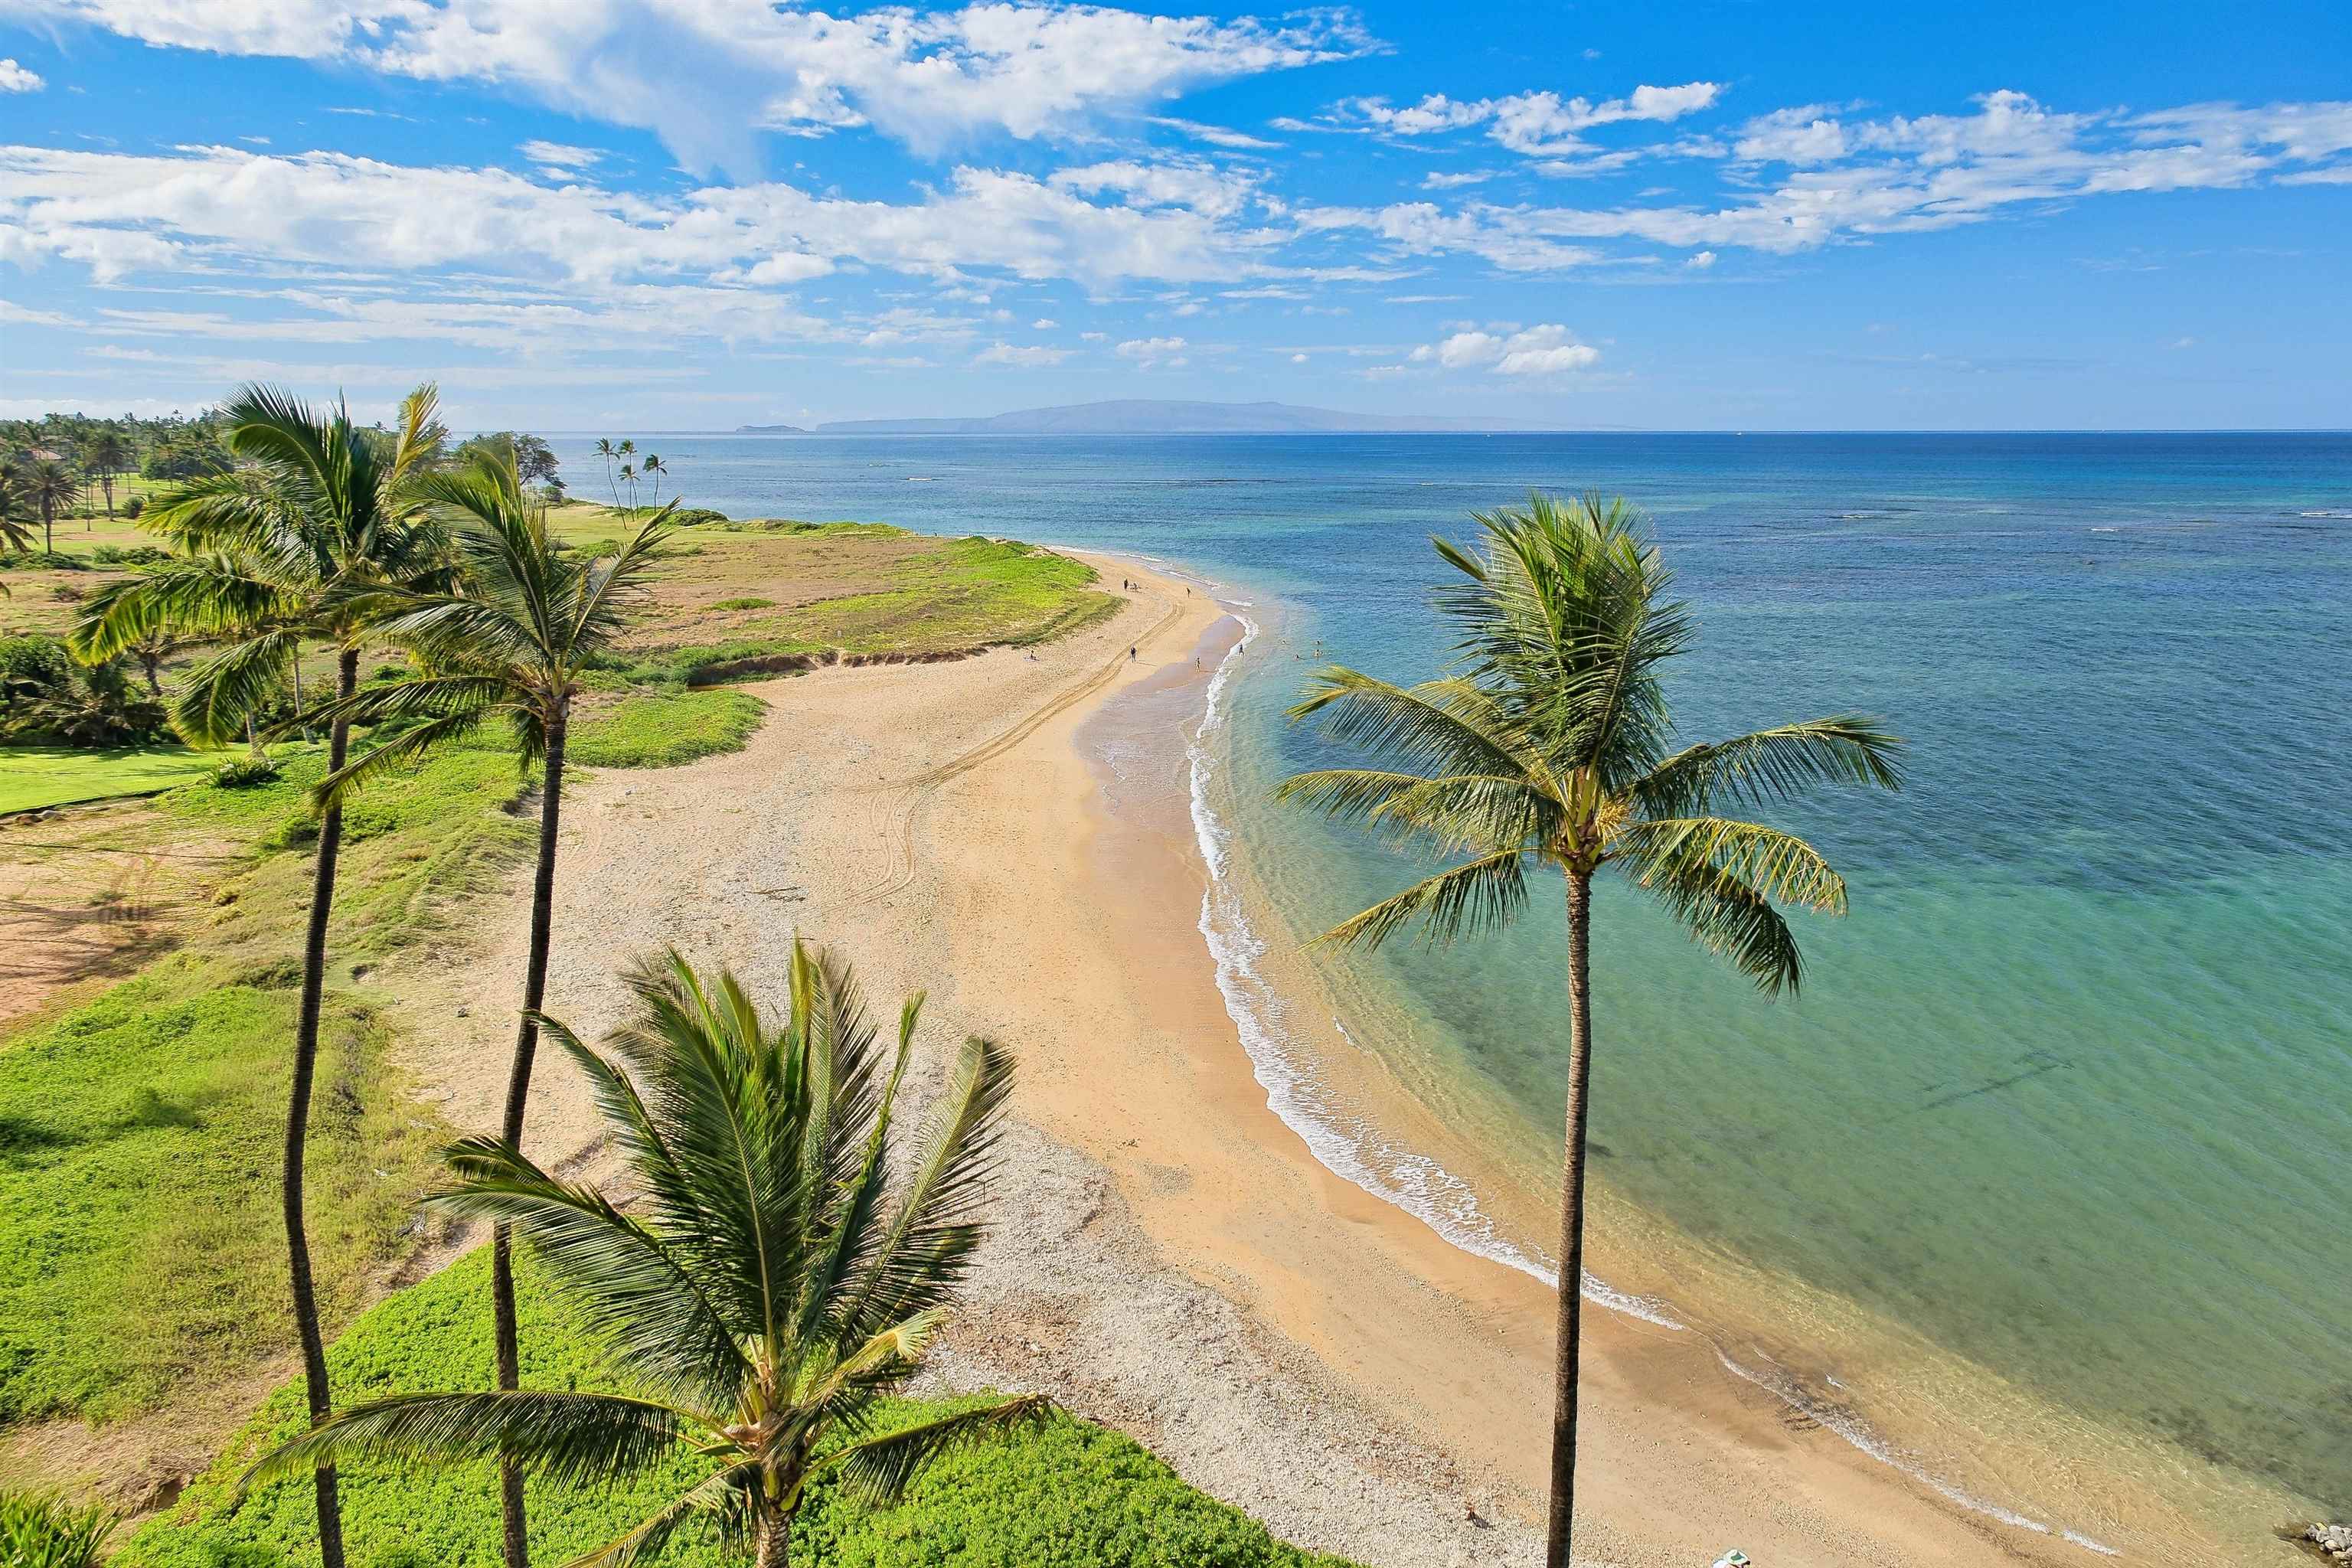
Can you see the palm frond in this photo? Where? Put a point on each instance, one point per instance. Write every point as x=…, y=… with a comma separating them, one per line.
x=720, y=1503
x=1482, y=894
x=1732, y=920
x=1777, y=866
x=879, y=1469
x=1436, y=727
x=220, y=693
x=923, y=1254
x=1773, y=764
x=386, y=756
x=642, y=1296
x=571, y=1438
x=209, y=595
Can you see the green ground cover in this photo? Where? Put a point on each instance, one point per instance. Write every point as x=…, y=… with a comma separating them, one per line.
x=139, y=1133
x=32, y=777
x=1071, y=1494
x=139, y=1146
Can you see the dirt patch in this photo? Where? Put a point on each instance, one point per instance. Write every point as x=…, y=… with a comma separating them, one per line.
x=88, y=893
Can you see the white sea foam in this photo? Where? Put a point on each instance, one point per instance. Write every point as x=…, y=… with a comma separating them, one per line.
x=1344, y=1143
x=1851, y=1427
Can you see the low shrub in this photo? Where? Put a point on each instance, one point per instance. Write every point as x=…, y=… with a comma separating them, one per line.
x=665, y=729
x=244, y=771
x=129, y=555
x=39, y=1529
x=744, y=604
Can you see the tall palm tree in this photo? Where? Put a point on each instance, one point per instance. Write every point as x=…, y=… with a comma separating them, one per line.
x=606, y=450
x=105, y=455
x=16, y=509
x=511, y=639
x=48, y=486
x=284, y=550
x=778, y=1284
x=1549, y=743
x=655, y=470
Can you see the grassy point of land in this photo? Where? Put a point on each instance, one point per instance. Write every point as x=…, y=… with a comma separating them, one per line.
x=140, y=1120
x=40, y=776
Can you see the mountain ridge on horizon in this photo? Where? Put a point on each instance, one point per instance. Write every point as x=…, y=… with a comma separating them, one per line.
x=1162, y=417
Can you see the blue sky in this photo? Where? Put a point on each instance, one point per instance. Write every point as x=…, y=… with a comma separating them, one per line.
x=697, y=214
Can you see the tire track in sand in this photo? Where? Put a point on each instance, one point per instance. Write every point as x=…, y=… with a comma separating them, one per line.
x=920, y=789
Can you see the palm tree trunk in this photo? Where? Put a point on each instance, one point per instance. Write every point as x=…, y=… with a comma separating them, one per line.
x=772, y=1545
x=297, y=1126
x=534, y=993
x=1572, y=1221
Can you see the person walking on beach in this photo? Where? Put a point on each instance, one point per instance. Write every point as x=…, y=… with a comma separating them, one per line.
x=1130, y=655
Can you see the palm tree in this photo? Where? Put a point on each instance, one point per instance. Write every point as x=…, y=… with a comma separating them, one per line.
x=106, y=455
x=511, y=640
x=1547, y=743
x=49, y=485
x=654, y=469
x=16, y=509
x=284, y=549
x=605, y=450
x=779, y=1283
x=629, y=478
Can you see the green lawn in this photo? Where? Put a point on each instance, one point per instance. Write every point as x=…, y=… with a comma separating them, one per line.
x=32, y=777
x=1072, y=1495
x=139, y=1133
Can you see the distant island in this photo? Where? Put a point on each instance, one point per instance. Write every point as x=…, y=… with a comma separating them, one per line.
x=1156, y=416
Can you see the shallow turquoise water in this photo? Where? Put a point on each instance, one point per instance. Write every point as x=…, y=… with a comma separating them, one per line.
x=2067, y=1092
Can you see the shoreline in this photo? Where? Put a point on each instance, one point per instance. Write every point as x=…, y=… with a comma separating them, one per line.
x=1157, y=1202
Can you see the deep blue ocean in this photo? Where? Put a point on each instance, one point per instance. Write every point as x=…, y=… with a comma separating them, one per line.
x=2068, y=1095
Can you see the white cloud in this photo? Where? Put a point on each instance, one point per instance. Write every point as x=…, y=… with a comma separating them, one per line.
x=707, y=75
x=1148, y=353
x=1434, y=181
x=117, y=213
x=1701, y=261
x=1541, y=125
x=1848, y=180
x=558, y=155
x=1189, y=183
x=14, y=77
x=1020, y=354
x=1298, y=359
x=1216, y=135
x=1546, y=350
x=1044, y=325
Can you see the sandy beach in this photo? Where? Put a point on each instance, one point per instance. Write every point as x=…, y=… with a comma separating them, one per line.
x=1169, y=1258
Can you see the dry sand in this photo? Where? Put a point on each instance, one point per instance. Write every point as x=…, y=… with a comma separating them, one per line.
x=1169, y=1258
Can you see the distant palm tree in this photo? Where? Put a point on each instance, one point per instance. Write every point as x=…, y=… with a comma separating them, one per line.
x=779, y=1285
x=48, y=487
x=654, y=469
x=606, y=450
x=1547, y=743
x=279, y=551
x=512, y=640
x=629, y=478
x=105, y=455
x=16, y=509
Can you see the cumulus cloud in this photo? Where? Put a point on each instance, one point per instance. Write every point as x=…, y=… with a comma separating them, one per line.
x=1540, y=124
x=1848, y=180
x=706, y=75
x=1189, y=183
x=1148, y=353
x=1020, y=354
x=558, y=155
x=1546, y=350
x=1700, y=261
x=14, y=77
x=117, y=213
